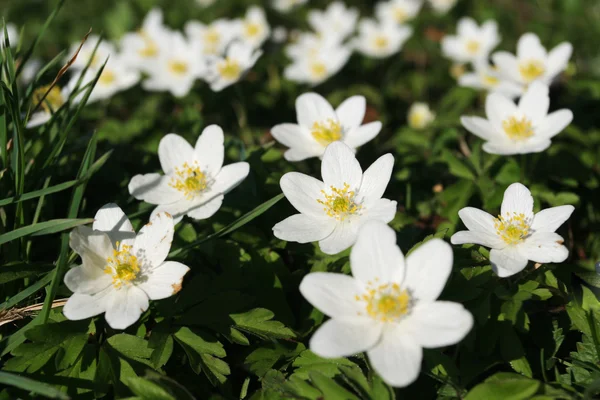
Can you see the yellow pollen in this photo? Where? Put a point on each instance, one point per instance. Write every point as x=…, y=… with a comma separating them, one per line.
x=400, y=15
x=123, y=266
x=211, y=41
x=380, y=42
x=490, y=80
x=108, y=77
x=52, y=102
x=385, y=302
x=318, y=69
x=417, y=120
x=178, y=67
x=518, y=129
x=251, y=29
x=229, y=69
x=340, y=203
x=189, y=179
x=150, y=50
x=531, y=70
x=473, y=46
x=512, y=228
x=326, y=132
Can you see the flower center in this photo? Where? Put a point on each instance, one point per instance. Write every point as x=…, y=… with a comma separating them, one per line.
x=150, y=49
x=211, y=40
x=326, y=132
x=123, y=266
x=400, y=15
x=385, y=302
x=229, y=69
x=531, y=70
x=417, y=120
x=178, y=67
x=189, y=179
x=251, y=29
x=518, y=129
x=340, y=203
x=473, y=46
x=380, y=42
x=107, y=78
x=490, y=80
x=53, y=101
x=318, y=69
x=513, y=228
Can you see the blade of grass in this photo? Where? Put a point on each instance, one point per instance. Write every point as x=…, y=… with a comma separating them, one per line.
x=44, y=228
x=16, y=299
x=31, y=385
x=243, y=220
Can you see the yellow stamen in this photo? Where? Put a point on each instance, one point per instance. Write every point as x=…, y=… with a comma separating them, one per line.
x=211, y=40
x=52, y=102
x=490, y=80
x=400, y=15
x=189, y=179
x=327, y=132
x=178, y=67
x=108, y=77
x=318, y=69
x=518, y=129
x=473, y=46
x=531, y=70
x=340, y=203
x=385, y=302
x=251, y=29
x=513, y=228
x=150, y=50
x=123, y=266
x=229, y=69
x=380, y=42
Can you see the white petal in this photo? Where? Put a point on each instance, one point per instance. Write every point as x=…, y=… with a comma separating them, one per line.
x=397, y=358
x=376, y=255
x=550, y=219
x=383, y=210
x=428, y=269
x=333, y=294
x=375, y=179
x=173, y=152
x=125, y=307
x=311, y=108
x=113, y=221
x=340, y=167
x=94, y=245
x=534, y=146
x=206, y=209
x=230, y=177
x=558, y=58
x=472, y=237
x=302, y=154
x=508, y=65
x=38, y=118
x=498, y=108
x=303, y=229
x=352, y=112
x=507, y=262
x=209, y=150
x=297, y=138
x=478, y=126
x=176, y=210
x=343, y=236
x=153, y=242
x=358, y=136
x=554, y=123
x=535, y=102
x=529, y=46
x=439, y=323
x=163, y=281
x=303, y=191
x=87, y=279
x=482, y=224
x=153, y=189
x=517, y=199
x=82, y=306
x=342, y=338
x=544, y=247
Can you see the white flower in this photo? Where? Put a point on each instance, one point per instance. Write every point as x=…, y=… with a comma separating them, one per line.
x=176, y=69
x=310, y=44
x=472, y=42
x=53, y=101
x=103, y=52
x=532, y=62
x=211, y=39
x=285, y=6
x=13, y=35
x=319, y=125
x=195, y=180
x=517, y=235
x=397, y=11
x=333, y=211
x=317, y=67
x=420, y=116
x=279, y=34
x=116, y=77
x=389, y=307
x=205, y=3
x=442, y=6
x=121, y=271
x=254, y=28
x=336, y=21
x=225, y=71
x=487, y=78
x=380, y=39
x=140, y=50
x=30, y=70
x=518, y=129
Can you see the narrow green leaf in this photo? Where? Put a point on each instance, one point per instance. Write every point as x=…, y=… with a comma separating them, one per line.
x=31, y=385
x=44, y=228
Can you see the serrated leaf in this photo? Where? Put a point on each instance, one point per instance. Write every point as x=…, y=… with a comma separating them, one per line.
x=309, y=361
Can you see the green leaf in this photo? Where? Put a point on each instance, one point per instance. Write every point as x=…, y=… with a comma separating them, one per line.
x=505, y=386
x=258, y=322
x=309, y=361
x=44, y=228
x=31, y=385
x=457, y=167
x=329, y=388
x=200, y=347
x=147, y=390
